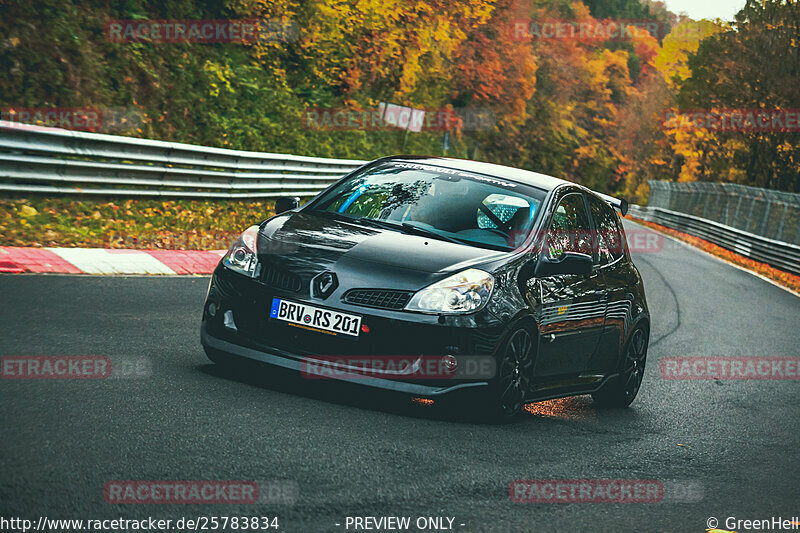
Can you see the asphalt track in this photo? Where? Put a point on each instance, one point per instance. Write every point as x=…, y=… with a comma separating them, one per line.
x=353, y=452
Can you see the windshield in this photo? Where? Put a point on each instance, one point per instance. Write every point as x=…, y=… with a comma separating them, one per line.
x=443, y=203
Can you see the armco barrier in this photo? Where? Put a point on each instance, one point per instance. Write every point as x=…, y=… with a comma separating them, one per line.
x=765, y=212
x=779, y=254
x=50, y=160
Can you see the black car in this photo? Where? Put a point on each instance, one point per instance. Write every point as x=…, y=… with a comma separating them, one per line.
x=454, y=261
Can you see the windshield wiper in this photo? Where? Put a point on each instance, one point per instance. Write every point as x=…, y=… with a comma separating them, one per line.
x=404, y=227
x=364, y=221
x=408, y=227
x=411, y=229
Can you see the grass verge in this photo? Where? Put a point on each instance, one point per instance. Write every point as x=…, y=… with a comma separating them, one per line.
x=134, y=223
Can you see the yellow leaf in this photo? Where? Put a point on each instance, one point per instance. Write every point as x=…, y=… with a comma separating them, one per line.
x=27, y=211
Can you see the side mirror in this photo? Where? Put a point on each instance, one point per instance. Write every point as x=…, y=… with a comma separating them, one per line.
x=568, y=263
x=285, y=203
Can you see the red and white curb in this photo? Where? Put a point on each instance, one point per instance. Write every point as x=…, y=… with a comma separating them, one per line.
x=107, y=261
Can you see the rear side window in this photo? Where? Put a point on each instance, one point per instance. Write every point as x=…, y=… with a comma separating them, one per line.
x=608, y=240
x=569, y=229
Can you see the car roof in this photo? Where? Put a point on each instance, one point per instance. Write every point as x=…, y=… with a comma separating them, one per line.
x=541, y=181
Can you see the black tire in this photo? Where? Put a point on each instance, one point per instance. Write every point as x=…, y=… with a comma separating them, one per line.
x=515, y=360
x=622, y=390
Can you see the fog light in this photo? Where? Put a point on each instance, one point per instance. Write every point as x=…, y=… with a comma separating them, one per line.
x=227, y=320
x=212, y=309
x=450, y=363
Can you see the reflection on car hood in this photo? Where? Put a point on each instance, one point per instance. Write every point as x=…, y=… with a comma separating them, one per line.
x=314, y=243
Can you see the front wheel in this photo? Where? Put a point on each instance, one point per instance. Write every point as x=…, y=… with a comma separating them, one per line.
x=514, y=375
x=622, y=390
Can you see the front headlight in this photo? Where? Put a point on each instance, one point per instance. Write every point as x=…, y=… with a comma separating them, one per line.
x=241, y=256
x=464, y=292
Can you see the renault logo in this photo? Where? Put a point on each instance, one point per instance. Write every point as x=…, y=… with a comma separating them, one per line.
x=323, y=285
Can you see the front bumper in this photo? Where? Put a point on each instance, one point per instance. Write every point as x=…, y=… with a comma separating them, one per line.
x=256, y=336
x=273, y=356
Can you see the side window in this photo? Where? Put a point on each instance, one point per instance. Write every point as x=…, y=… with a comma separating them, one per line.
x=569, y=229
x=608, y=241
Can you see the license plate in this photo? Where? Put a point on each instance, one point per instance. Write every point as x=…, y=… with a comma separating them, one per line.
x=315, y=318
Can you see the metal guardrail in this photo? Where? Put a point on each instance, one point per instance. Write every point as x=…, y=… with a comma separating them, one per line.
x=50, y=160
x=37, y=159
x=782, y=255
x=765, y=212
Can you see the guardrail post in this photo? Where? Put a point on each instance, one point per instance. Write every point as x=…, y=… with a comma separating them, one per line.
x=764, y=220
x=727, y=206
x=783, y=219
x=717, y=216
x=736, y=213
x=705, y=197
x=750, y=216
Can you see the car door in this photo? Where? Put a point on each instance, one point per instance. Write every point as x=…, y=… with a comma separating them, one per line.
x=571, y=308
x=615, y=269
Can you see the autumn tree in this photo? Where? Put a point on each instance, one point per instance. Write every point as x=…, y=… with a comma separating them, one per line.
x=753, y=65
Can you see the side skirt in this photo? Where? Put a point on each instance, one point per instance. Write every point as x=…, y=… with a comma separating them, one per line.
x=583, y=384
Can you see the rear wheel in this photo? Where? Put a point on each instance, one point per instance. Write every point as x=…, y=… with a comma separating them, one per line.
x=514, y=375
x=622, y=390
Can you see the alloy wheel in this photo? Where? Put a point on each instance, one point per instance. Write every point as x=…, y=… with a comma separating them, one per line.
x=635, y=359
x=515, y=372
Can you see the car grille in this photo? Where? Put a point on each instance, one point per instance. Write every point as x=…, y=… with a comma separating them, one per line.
x=279, y=278
x=382, y=299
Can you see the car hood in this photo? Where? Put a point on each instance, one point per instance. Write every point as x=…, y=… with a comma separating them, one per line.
x=307, y=245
